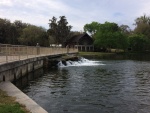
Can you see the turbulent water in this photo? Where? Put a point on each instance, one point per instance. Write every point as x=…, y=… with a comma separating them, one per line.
x=81, y=62
x=93, y=86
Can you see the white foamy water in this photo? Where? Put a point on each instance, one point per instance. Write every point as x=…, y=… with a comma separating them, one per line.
x=81, y=62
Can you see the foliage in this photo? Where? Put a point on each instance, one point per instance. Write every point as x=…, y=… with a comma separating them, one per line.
x=22, y=33
x=109, y=27
x=110, y=36
x=139, y=42
x=74, y=33
x=59, y=30
x=92, y=28
x=10, y=32
x=5, y=30
x=142, y=20
x=143, y=26
x=32, y=35
x=125, y=29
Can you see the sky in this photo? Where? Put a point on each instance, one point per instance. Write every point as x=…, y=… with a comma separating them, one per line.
x=77, y=12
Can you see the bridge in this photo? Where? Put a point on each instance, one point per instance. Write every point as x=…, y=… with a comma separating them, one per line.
x=10, y=53
x=18, y=60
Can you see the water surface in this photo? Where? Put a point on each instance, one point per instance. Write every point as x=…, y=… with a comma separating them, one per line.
x=109, y=86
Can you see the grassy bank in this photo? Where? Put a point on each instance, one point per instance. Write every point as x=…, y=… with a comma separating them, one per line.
x=112, y=53
x=144, y=56
x=9, y=105
x=100, y=54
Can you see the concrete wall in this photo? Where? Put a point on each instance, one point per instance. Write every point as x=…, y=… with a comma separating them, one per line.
x=14, y=70
x=22, y=98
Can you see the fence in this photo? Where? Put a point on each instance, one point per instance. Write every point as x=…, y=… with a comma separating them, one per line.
x=10, y=52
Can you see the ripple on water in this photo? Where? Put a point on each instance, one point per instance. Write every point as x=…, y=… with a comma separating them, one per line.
x=115, y=87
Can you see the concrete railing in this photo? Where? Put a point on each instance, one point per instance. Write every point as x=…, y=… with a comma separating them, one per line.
x=10, y=52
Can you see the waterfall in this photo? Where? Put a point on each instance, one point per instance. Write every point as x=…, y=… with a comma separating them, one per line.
x=81, y=62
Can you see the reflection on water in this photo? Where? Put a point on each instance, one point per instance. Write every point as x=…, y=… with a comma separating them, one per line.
x=119, y=86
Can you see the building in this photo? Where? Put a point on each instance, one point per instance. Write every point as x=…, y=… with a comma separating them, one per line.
x=83, y=42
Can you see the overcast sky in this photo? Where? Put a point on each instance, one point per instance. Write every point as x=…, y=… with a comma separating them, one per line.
x=77, y=12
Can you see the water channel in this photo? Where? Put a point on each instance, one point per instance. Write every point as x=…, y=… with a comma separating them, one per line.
x=92, y=86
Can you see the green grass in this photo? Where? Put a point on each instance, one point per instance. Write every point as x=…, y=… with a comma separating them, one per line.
x=9, y=105
x=11, y=108
x=95, y=53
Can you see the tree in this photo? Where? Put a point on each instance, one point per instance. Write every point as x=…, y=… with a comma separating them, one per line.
x=32, y=35
x=142, y=26
x=5, y=28
x=110, y=36
x=60, y=30
x=10, y=32
x=20, y=24
x=92, y=28
x=139, y=42
x=142, y=20
x=125, y=29
x=53, y=30
x=74, y=33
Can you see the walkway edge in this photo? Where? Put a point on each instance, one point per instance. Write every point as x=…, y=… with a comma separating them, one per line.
x=21, y=98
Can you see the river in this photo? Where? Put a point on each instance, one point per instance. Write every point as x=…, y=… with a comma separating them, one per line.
x=92, y=86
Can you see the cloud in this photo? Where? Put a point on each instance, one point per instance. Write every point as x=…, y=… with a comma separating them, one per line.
x=77, y=12
x=36, y=12
x=5, y=3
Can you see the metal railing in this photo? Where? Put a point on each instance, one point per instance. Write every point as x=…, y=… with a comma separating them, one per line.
x=10, y=52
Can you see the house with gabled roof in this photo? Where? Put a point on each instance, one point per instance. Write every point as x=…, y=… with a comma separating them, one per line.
x=82, y=42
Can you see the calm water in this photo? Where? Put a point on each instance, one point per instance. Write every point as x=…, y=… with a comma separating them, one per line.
x=109, y=86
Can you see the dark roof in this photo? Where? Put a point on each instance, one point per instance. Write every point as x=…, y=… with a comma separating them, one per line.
x=76, y=38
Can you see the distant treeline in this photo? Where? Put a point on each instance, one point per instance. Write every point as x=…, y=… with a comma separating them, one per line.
x=110, y=35
x=105, y=35
x=20, y=33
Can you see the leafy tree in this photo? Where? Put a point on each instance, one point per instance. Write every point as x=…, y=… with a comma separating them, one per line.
x=32, y=35
x=92, y=28
x=142, y=20
x=20, y=24
x=59, y=30
x=125, y=29
x=142, y=26
x=5, y=28
x=53, y=30
x=110, y=36
x=139, y=42
x=143, y=29
x=10, y=32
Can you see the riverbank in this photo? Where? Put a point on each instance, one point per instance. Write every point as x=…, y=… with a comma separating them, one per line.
x=9, y=105
x=100, y=55
x=117, y=56
x=17, y=95
x=95, y=54
x=110, y=53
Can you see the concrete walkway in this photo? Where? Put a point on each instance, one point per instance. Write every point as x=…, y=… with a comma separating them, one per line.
x=22, y=98
x=4, y=59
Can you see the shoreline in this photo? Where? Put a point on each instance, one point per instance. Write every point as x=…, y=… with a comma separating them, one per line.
x=21, y=98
